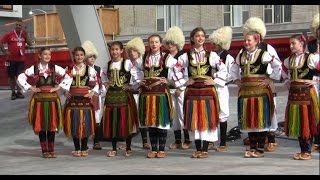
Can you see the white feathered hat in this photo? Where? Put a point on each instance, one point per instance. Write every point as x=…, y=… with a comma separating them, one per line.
x=222, y=37
x=315, y=24
x=137, y=44
x=255, y=24
x=90, y=49
x=175, y=35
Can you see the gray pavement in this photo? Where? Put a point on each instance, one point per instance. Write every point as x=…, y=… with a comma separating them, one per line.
x=20, y=151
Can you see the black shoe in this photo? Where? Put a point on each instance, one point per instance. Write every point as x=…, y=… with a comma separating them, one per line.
x=234, y=134
x=13, y=96
x=20, y=95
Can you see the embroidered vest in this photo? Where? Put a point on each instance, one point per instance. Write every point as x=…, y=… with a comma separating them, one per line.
x=256, y=66
x=118, y=78
x=201, y=68
x=81, y=81
x=155, y=71
x=42, y=81
x=302, y=71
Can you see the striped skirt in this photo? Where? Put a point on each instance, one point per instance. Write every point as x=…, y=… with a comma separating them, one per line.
x=201, y=108
x=79, y=118
x=302, y=111
x=255, y=104
x=120, y=118
x=45, y=112
x=156, y=109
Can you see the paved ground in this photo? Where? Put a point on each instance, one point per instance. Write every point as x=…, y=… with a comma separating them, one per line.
x=20, y=151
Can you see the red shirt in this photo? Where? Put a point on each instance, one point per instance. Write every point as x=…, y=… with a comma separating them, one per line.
x=11, y=39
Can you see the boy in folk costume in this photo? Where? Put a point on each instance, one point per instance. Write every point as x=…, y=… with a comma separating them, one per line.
x=155, y=103
x=255, y=24
x=302, y=111
x=79, y=121
x=313, y=47
x=91, y=56
x=221, y=39
x=174, y=39
x=45, y=112
x=135, y=49
x=120, y=119
x=201, y=103
x=255, y=101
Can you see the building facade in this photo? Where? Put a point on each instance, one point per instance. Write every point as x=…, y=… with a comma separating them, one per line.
x=143, y=20
x=281, y=20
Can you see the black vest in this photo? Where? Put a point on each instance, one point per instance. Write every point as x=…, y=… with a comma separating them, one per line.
x=164, y=71
x=257, y=67
x=304, y=72
x=50, y=80
x=122, y=72
x=312, y=46
x=207, y=56
x=84, y=80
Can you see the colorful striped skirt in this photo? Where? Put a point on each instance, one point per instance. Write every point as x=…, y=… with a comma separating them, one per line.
x=155, y=108
x=302, y=111
x=45, y=112
x=79, y=117
x=201, y=108
x=120, y=118
x=255, y=104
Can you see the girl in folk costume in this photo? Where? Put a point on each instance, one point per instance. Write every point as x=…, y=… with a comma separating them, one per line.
x=314, y=47
x=120, y=119
x=174, y=39
x=155, y=103
x=136, y=49
x=221, y=39
x=91, y=56
x=255, y=101
x=255, y=24
x=45, y=112
x=302, y=111
x=79, y=112
x=201, y=104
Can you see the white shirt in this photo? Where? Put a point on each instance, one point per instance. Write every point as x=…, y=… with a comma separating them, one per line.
x=23, y=77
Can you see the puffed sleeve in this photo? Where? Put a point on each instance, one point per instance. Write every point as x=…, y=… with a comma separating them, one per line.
x=23, y=77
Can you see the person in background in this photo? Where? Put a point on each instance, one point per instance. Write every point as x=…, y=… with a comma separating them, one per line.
x=16, y=55
x=135, y=49
x=221, y=40
x=174, y=40
x=91, y=56
x=45, y=111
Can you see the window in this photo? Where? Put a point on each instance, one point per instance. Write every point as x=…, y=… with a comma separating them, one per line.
x=6, y=7
x=235, y=15
x=277, y=13
x=167, y=16
x=11, y=11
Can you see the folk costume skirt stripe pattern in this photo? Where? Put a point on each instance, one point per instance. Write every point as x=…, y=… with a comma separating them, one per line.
x=201, y=108
x=45, y=112
x=79, y=118
x=255, y=104
x=155, y=108
x=302, y=111
x=120, y=118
